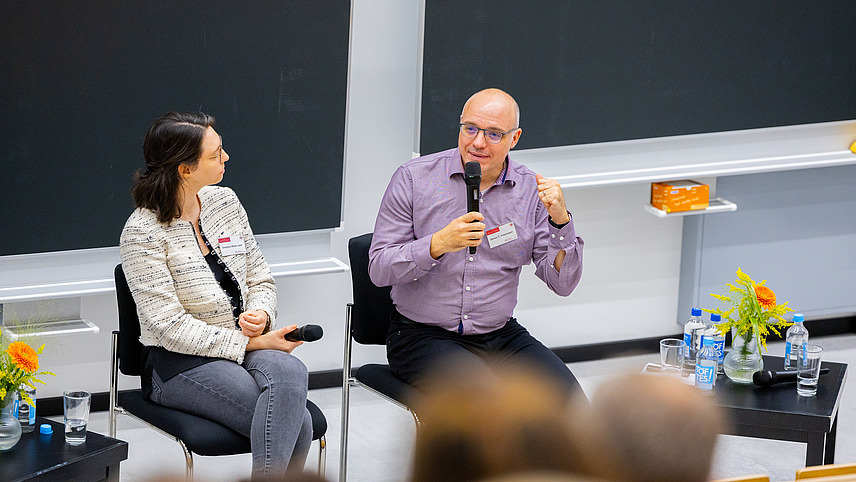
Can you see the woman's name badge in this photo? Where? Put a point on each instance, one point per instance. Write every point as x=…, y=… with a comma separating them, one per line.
x=501, y=235
x=232, y=245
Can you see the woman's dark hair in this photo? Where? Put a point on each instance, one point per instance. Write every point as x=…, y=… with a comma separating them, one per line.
x=174, y=139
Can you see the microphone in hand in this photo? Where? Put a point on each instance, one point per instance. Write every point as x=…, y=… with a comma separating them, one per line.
x=472, y=178
x=305, y=333
x=765, y=378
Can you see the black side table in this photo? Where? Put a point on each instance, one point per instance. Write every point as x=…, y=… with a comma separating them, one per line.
x=778, y=412
x=49, y=458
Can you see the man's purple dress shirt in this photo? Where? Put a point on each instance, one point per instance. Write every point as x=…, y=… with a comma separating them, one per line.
x=478, y=291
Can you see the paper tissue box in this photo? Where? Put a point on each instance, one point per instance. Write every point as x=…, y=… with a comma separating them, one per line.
x=676, y=196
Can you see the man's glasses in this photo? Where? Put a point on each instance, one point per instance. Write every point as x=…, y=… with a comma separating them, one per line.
x=494, y=137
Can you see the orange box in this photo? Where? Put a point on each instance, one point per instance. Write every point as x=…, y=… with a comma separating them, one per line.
x=676, y=196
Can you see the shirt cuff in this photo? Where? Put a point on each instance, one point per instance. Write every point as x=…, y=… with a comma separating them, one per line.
x=563, y=235
x=421, y=253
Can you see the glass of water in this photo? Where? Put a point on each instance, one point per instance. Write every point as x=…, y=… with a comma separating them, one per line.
x=808, y=370
x=75, y=406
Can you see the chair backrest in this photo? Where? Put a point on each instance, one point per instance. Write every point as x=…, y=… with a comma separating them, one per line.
x=372, y=305
x=826, y=471
x=130, y=349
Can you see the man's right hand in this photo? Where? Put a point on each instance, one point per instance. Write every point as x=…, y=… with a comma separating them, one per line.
x=461, y=233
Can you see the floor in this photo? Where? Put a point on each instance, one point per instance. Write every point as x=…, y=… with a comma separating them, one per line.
x=381, y=434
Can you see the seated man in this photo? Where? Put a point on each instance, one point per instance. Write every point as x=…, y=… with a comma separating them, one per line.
x=448, y=301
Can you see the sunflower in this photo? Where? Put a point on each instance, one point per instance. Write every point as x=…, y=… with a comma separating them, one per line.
x=24, y=356
x=766, y=297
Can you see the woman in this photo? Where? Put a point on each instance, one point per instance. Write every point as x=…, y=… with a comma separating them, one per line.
x=207, y=300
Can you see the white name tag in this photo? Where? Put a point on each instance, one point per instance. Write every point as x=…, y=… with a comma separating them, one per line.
x=232, y=245
x=501, y=235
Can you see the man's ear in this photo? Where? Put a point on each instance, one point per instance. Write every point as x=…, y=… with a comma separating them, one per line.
x=516, y=137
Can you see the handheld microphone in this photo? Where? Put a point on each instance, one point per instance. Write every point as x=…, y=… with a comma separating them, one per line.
x=305, y=333
x=472, y=177
x=765, y=378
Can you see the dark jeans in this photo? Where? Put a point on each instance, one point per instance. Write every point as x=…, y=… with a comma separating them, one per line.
x=415, y=350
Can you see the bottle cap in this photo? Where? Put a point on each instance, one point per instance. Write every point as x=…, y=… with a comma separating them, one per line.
x=715, y=318
x=696, y=312
x=45, y=429
x=798, y=318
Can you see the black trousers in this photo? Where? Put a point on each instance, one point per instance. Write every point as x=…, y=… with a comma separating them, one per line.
x=416, y=351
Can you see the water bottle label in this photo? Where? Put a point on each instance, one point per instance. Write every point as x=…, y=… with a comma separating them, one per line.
x=720, y=349
x=787, y=350
x=704, y=376
x=688, y=339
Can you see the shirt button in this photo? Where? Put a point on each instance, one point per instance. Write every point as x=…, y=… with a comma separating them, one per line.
x=468, y=288
x=415, y=279
x=561, y=238
x=466, y=317
x=433, y=264
x=471, y=258
x=552, y=235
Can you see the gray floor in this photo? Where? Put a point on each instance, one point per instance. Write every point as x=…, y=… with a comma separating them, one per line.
x=381, y=435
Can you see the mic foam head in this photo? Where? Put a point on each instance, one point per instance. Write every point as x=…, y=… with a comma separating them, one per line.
x=312, y=332
x=472, y=173
x=763, y=378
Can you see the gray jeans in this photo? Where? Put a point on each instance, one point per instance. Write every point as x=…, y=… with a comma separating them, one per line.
x=263, y=399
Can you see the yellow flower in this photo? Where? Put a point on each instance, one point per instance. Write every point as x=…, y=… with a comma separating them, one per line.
x=766, y=297
x=24, y=356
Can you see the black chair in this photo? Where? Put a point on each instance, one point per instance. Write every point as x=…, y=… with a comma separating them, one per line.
x=367, y=322
x=196, y=435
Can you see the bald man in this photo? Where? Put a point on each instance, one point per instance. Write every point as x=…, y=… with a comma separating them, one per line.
x=448, y=302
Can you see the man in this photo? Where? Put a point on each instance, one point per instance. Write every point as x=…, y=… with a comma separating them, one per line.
x=450, y=303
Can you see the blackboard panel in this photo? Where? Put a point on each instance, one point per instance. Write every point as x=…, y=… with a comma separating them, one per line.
x=592, y=71
x=81, y=82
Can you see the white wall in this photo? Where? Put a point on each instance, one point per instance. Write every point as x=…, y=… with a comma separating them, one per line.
x=631, y=263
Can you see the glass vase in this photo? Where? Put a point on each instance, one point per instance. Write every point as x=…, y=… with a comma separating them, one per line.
x=10, y=428
x=744, y=359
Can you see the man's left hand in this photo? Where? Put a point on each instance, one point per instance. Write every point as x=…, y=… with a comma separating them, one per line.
x=551, y=195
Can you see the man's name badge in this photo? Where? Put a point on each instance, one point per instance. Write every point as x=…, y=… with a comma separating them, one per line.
x=232, y=245
x=501, y=234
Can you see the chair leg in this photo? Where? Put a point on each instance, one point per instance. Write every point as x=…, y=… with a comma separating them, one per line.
x=346, y=385
x=114, y=381
x=322, y=456
x=188, y=456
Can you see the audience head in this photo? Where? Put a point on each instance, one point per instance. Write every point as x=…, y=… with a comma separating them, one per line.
x=482, y=423
x=173, y=140
x=651, y=428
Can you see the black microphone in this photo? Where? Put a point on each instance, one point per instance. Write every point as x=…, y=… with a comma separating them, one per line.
x=765, y=378
x=472, y=177
x=305, y=333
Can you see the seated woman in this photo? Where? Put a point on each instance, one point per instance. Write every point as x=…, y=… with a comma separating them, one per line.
x=206, y=299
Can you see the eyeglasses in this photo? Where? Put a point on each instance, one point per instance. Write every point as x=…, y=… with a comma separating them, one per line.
x=494, y=137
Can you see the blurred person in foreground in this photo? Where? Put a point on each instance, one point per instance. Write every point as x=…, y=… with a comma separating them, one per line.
x=647, y=428
x=206, y=299
x=506, y=423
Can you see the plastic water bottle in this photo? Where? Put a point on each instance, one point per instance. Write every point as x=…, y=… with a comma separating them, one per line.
x=693, y=331
x=718, y=339
x=26, y=411
x=795, y=341
x=705, y=369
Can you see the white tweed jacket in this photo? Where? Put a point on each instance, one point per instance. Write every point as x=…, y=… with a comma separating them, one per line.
x=180, y=304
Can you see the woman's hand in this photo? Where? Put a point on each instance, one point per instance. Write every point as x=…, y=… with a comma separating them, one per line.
x=253, y=323
x=274, y=340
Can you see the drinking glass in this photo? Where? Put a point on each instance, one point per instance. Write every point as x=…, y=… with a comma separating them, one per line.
x=671, y=356
x=75, y=405
x=808, y=370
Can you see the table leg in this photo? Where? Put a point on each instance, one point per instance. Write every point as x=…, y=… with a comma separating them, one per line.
x=113, y=472
x=829, y=456
x=815, y=447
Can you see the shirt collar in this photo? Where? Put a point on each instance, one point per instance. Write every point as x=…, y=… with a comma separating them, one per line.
x=508, y=174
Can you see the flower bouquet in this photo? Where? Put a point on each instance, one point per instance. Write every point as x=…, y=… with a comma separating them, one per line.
x=19, y=365
x=752, y=314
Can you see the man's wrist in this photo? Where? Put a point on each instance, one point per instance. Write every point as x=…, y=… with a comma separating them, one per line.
x=559, y=225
